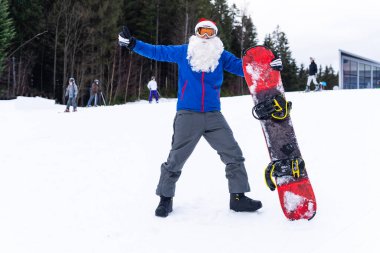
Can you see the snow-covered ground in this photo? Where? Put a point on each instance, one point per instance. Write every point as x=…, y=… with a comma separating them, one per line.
x=85, y=182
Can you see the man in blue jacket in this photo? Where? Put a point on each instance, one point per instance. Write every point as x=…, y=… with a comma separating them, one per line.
x=200, y=76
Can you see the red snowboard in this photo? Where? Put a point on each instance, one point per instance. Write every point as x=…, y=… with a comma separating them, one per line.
x=271, y=108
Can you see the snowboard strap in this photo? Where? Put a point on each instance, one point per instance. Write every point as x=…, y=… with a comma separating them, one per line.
x=275, y=107
x=288, y=167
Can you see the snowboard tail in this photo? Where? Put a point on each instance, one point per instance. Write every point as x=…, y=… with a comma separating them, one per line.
x=286, y=172
x=297, y=199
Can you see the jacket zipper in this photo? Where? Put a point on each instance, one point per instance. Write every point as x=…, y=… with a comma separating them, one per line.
x=183, y=90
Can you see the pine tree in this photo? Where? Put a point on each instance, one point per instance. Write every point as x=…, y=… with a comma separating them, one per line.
x=278, y=42
x=30, y=43
x=250, y=32
x=222, y=16
x=99, y=38
x=329, y=76
x=302, y=77
x=244, y=34
x=268, y=42
x=6, y=31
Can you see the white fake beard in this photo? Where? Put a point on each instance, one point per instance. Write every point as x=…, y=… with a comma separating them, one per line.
x=204, y=54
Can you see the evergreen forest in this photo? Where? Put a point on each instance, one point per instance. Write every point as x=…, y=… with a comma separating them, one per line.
x=45, y=42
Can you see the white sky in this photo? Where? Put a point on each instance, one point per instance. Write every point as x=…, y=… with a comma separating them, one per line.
x=320, y=28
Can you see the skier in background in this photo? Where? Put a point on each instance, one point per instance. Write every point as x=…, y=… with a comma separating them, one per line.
x=152, y=86
x=94, y=90
x=313, y=69
x=200, y=75
x=71, y=93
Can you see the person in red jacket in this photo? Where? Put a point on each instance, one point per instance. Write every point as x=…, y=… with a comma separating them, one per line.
x=201, y=64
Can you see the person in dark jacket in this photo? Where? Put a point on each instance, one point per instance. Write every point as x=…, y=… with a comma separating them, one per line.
x=201, y=63
x=94, y=90
x=313, y=70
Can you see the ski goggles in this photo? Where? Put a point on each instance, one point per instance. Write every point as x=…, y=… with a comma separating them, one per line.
x=206, y=32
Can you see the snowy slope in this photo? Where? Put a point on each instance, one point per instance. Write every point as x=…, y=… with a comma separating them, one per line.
x=85, y=182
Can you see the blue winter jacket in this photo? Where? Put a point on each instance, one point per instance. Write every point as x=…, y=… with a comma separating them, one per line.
x=72, y=91
x=197, y=91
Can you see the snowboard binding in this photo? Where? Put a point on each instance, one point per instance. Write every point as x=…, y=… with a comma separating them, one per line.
x=275, y=107
x=290, y=168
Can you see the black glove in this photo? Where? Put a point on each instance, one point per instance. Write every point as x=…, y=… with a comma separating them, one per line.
x=276, y=64
x=125, y=39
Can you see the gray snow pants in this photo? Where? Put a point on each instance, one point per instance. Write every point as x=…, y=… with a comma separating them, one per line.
x=189, y=127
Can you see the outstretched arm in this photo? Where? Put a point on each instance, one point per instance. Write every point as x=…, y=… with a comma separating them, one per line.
x=155, y=52
x=159, y=52
x=232, y=64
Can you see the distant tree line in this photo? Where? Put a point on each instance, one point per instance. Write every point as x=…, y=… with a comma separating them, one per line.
x=45, y=42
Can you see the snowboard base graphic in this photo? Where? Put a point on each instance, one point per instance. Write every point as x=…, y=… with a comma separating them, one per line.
x=286, y=171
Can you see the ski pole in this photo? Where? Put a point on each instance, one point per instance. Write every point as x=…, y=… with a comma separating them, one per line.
x=104, y=101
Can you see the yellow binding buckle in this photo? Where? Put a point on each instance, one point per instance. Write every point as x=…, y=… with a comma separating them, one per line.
x=295, y=168
x=275, y=107
x=278, y=108
x=281, y=168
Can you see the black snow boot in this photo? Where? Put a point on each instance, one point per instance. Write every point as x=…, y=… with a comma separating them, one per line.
x=241, y=203
x=164, y=207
